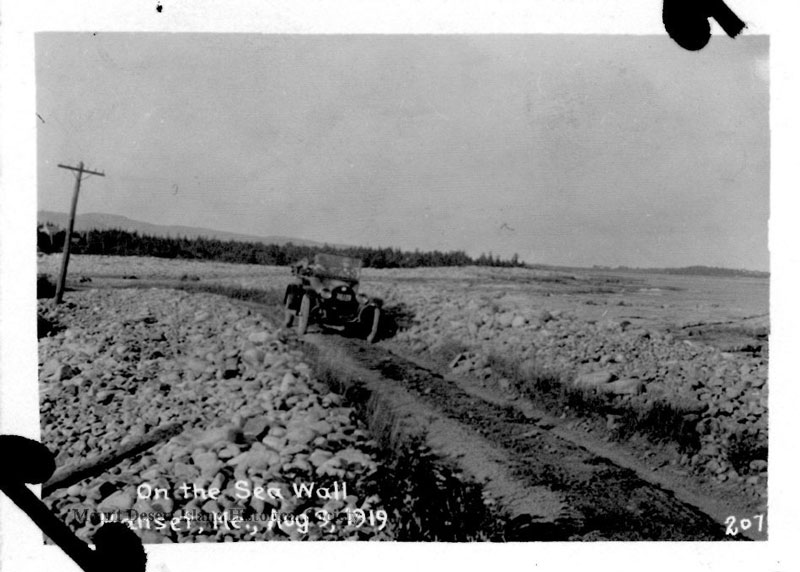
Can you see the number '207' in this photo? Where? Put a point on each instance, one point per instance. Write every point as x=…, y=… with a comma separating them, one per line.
x=733, y=525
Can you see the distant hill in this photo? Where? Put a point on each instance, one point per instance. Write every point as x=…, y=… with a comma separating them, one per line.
x=716, y=271
x=103, y=221
x=698, y=270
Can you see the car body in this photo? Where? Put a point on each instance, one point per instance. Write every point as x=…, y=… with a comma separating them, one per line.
x=325, y=292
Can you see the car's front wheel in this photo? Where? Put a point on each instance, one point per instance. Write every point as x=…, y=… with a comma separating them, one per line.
x=288, y=313
x=376, y=320
x=304, y=315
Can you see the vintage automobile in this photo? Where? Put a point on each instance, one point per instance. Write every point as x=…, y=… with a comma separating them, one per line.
x=326, y=292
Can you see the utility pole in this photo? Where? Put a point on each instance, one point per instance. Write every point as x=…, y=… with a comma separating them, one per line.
x=79, y=172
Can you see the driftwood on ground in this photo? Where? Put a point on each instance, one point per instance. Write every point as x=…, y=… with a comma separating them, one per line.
x=71, y=474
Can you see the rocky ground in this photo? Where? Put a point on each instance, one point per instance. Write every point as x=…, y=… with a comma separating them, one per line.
x=724, y=393
x=627, y=339
x=127, y=361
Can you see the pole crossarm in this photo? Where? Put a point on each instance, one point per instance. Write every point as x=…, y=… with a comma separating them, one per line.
x=82, y=170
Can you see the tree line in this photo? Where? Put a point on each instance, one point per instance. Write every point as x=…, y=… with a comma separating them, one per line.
x=125, y=243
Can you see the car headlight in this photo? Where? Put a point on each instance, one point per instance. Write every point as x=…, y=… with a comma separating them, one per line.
x=325, y=293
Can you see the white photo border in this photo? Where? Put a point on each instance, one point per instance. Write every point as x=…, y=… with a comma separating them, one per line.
x=21, y=547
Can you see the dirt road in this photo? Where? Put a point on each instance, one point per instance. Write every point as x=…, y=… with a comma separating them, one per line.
x=536, y=484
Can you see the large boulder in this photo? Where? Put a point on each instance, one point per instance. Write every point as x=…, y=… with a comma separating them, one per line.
x=256, y=427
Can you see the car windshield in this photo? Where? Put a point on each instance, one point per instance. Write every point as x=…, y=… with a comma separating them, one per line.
x=337, y=267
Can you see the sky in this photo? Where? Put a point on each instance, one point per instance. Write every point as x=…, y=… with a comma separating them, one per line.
x=564, y=149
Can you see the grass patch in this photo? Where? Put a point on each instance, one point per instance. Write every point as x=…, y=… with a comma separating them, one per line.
x=329, y=372
x=657, y=420
x=449, y=348
x=394, y=318
x=660, y=421
x=258, y=295
x=543, y=385
x=431, y=502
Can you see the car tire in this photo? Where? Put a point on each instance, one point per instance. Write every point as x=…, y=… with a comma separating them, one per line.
x=304, y=315
x=376, y=320
x=288, y=313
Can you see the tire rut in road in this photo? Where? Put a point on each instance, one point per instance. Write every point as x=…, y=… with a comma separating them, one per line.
x=603, y=500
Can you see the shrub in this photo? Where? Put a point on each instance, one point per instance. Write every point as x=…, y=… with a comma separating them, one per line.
x=45, y=288
x=745, y=447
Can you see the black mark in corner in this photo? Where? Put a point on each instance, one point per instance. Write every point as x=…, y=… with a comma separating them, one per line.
x=686, y=21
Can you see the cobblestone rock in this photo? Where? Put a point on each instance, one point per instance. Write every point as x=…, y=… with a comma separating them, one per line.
x=142, y=358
